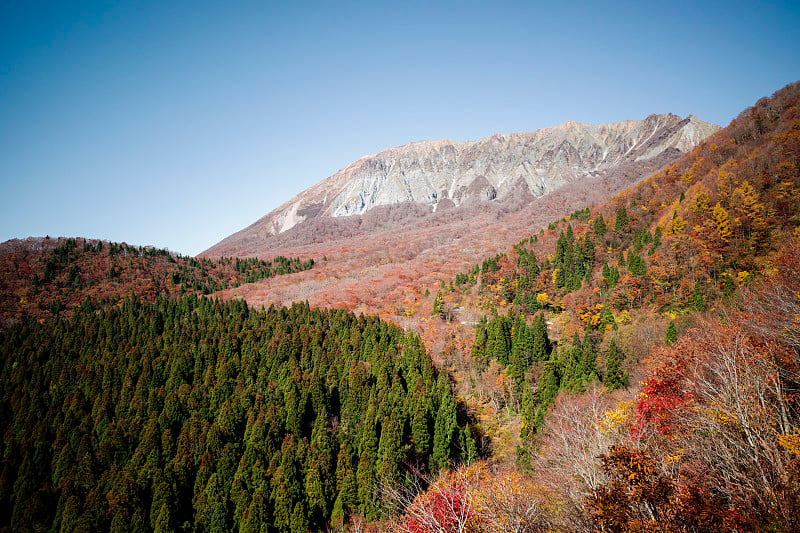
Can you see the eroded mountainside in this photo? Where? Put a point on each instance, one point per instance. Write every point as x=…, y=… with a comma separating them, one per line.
x=443, y=174
x=386, y=259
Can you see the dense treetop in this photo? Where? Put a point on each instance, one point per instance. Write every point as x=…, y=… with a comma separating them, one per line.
x=194, y=414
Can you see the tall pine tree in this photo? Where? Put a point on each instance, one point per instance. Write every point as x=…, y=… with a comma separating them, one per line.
x=615, y=377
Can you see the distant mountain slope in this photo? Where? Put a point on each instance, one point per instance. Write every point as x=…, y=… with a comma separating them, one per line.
x=442, y=174
x=45, y=277
x=682, y=241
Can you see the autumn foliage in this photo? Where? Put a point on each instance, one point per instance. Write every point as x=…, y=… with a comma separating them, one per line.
x=710, y=441
x=716, y=424
x=480, y=498
x=46, y=277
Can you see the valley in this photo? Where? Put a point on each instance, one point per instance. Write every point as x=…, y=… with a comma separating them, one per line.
x=584, y=328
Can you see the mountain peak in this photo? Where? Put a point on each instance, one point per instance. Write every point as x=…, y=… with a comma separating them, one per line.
x=494, y=168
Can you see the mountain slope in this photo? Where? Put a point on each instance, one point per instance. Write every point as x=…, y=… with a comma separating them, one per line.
x=500, y=167
x=387, y=259
x=682, y=241
x=712, y=241
x=40, y=278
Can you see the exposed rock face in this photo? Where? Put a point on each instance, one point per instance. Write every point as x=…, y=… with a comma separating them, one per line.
x=492, y=169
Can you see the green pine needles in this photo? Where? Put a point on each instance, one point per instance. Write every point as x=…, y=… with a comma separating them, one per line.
x=197, y=414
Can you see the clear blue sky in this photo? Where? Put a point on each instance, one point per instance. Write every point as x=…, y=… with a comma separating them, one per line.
x=178, y=123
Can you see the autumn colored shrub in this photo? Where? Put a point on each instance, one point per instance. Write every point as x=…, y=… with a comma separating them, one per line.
x=480, y=499
x=640, y=496
x=716, y=423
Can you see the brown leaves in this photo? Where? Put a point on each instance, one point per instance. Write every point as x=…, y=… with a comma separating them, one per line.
x=642, y=497
x=719, y=418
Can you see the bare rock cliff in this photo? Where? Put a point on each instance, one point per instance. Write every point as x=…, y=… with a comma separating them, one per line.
x=491, y=169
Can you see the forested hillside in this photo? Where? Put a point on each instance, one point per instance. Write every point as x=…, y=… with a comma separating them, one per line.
x=190, y=414
x=45, y=277
x=634, y=367
x=709, y=441
x=679, y=243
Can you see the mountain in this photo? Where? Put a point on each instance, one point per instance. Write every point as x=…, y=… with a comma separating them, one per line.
x=499, y=168
x=388, y=259
x=662, y=382
x=138, y=407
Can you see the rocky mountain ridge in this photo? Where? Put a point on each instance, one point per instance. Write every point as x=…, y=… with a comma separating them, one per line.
x=445, y=173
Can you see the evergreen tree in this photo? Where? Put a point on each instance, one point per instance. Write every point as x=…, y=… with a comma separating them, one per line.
x=672, y=333
x=389, y=448
x=697, y=300
x=499, y=339
x=561, y=249
x=589, y=250
x=611, y=275
x=315, y=494
x=365, y=474
x=212, y=509
x=621, y=224
x=420, y=423
x=527, y=418
x=615, y=377
x=479, y=351
x=527, y=430
x=600, y=225
x=86, y=306
x=522, y=350
x=541, y=342
x=469, y=449
x=346, y=486
x=636, y=265
x=162, y=523
x=255, y=518
x=444, y=431
x=321, y=459
x=299, y=522
x=571, y=368
x=588, y=361
x=561, y=276
x=656, y=241
x=547, y=390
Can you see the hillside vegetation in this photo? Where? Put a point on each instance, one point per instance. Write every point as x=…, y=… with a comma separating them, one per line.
x=708, y=441
x=190, y=414
x=46, y=277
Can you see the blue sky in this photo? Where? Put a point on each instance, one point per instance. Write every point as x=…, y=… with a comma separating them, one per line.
x=178, y=123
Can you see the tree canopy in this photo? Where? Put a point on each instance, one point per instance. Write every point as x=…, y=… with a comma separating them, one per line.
x=197, y=414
